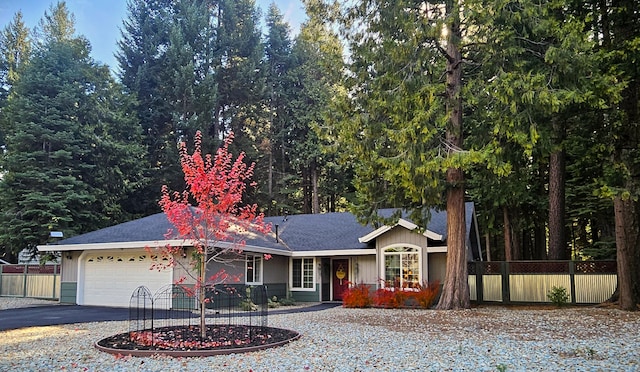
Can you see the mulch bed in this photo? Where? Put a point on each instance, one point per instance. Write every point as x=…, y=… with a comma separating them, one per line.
x=186, y=340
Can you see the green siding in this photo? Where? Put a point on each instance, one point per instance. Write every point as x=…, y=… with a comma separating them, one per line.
x=68, y=292
x=307, y=296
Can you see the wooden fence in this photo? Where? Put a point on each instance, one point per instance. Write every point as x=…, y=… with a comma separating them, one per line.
x=33, y=281
x=586, y=282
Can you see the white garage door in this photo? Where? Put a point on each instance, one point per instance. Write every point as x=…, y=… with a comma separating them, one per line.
x=111, y=277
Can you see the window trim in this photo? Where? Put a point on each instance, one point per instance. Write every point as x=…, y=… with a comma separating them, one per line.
x=261, y=269
x=313, y=274
x=383, y=267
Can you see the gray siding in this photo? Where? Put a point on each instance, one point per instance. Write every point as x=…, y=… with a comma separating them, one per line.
x=400, y=235
x=364, y=270
x=437, y=266
x=69, y=267
x=276, y=270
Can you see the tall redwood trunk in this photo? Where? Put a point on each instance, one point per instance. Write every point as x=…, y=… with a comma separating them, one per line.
x=627, y=242
x=625, y=16
x=455, y=290
x=557, y=236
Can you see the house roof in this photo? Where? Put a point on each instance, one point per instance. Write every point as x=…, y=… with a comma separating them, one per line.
x=295, y=233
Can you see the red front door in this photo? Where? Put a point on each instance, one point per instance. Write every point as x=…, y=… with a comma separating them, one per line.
x=339, y=278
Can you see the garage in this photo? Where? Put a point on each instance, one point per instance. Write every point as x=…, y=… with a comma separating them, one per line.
x=110, y=277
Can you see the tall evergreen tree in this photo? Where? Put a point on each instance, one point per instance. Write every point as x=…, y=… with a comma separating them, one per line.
x=617, y=27
x=313, y=81
x=278, y=63
x=15, y=49
x=240, y=83
x=535, y=80
x=192, y=94
x=406, y=103
x=143, y=63
x=72, y=153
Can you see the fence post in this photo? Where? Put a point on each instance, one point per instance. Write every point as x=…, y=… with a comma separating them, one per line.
x=53, y=290
x=572, y=281
x=506, y=295
x=24, y=281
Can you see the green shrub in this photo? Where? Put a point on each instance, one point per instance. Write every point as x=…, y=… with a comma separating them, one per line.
x=558, y=296
x=273, y=302
x=247, y=304
x=289, y=301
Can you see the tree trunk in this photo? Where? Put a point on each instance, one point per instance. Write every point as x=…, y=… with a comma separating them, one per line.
x=270, y=182
x=540, y=242
x=455, y=290
x=315, y=198
x=202, y=294
x=557, y=236
x=306, y=191
x=508, y=249
x=625, y=16
x=627, y=241
x=487, y=246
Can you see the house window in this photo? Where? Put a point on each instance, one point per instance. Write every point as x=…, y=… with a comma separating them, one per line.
x=401, y=267
x=302, y=273
x=253, y=269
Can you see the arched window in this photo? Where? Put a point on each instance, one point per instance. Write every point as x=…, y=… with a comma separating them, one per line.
x=401, y=267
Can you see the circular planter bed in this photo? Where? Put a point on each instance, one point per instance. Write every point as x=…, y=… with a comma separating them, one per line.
x=185, y=341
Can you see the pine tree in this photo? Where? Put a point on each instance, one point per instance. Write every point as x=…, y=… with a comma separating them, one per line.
x=72, y=154
x=144, y=71
x=278, y=64
x=313, y=81
x=15, y=50
x=240, y=83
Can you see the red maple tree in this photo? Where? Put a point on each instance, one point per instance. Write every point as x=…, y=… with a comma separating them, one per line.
x=209, y=214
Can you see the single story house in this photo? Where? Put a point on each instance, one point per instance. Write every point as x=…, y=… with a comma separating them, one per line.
x=314, y=257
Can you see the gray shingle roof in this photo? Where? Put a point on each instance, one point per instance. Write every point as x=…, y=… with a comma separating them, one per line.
x=305, y=232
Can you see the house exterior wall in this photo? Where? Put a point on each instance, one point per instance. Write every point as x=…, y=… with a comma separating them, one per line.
x=276, y=270
x=399, y=235
x=437, y=267
x=183, y=267
x=69, y=277
x=232, y=264
x=364, y=270
x=69, y=270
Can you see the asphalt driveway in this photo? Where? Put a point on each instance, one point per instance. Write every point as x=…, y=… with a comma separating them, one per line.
x=58, y=314
x=68, y=314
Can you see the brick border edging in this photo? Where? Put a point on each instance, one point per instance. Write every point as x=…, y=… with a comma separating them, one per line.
x=194, y=353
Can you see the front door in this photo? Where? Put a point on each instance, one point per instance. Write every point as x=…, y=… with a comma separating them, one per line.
x=340, y=278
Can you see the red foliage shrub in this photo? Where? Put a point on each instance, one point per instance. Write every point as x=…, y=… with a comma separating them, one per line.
x=389, y=298
x=425, y=294
x=357, y=296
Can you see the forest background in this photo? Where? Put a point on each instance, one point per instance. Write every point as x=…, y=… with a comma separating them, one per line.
x=353, y=112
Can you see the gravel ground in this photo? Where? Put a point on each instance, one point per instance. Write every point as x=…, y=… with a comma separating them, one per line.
x=19, y=302
x=339, y=339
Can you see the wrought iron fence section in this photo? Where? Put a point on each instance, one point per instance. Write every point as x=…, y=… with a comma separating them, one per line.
x=176, y=306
